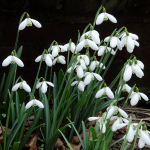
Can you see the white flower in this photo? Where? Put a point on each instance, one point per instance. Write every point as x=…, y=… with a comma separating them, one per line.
x=92, y=34
x=125, y=88
x=136, y=96
x=114, y=41
x=95, y=64
x=72, y=47
x=90, y=76
x=93, y=118
x=104, y=17
x=113, y=109
x=81, y=85
x=101, y=50
x=44, y=86
x=144, y=138
x=86, y=43
x=105, y=90
x=85, y=58
x=131, y=133
x=131, y=68
x=57, y=48
x=11, y=59
x=28, y=22
x=139, y=64
x=47, y=58
x=59, y=59
x=34, y=102
x=22, y=85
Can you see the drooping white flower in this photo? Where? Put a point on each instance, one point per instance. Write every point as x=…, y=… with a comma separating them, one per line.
x=101, y=50
x=104, y=17
x=59, y=59
x=106, y=91
x=90, y=76
x=144, y=138
x=11, y=59
x=93, y=118
x=95, y=64
x=72, y=47
x=34, y=102
x=28, y=22
x=21, y=85
x=136, y=96
x=44, y=86
x=92, y=34
x=47, y=58
x=125, y=88
x=57, y=48
x=131, y=68
x=114, y=41
x=81, y=85
x=85, y=58
x=139, y=64
x=86, y=43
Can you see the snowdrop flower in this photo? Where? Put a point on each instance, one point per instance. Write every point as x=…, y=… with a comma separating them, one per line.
x=47, y=58
x=131, y=68
x=95, y=64
x=138, y=63
x=129, y=40
x=85, y=58
x=104, y=17
x=136, y=96
x=101, y=50
x=59, y=59
x=28, y=22
x=57, y=48
x=90, y=76
x=119, y=123
x=106, y=91
x=34, y=102
x=72, y=47
x=81, y=85
x=86, y=43
x=92, y=34
x=44, y=86
x=114, y=41
x=144, y=137
x=112, y=109
x=11, y=59
x=131, y=133
x=125, y=88
x=79, y=67
x=21, y=85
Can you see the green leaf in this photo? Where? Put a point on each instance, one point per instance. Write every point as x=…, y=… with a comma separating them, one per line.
x=94, y=134
x=124, y=146
x=84, y=135
x=16, y=145
x=109, y=136
x=2, y=83
x=17, y=104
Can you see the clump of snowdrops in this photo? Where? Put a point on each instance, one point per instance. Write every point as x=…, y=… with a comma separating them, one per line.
x=78, y=93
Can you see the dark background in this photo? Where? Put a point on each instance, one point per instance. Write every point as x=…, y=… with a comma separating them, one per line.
x=61, y=20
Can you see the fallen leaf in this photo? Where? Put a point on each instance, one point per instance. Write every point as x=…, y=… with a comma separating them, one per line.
x=1, y=136
x=59, y=144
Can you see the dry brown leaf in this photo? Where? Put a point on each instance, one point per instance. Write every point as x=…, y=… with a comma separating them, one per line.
x=59, y=144
x=1, y=136
x=32, y=143
x=75, y=139
x=77, y=147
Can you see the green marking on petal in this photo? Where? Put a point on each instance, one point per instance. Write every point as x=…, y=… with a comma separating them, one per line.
x=86, y=45
x=90, y=37
x=104, y=93
x=34, y=104
x=21, y=87
x=59, y=50
x=29, y=24
x=105, y=19
x=139, y=98
x=92, y=78
x=12, y=62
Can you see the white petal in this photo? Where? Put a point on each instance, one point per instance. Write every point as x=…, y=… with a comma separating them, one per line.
x=80, y=46
x=141, y=143
x=29, y=104
x=139, y=73
x=49, y=83
x=92, y=45
x=113, y=128
x=55, y=51
x=119, y=44
x=38, y=85
x=18, y=61
x=99, y=93
x=107, y=38
x=92, y=66
x=135, y=99
x=36, y=23
x=140, y=64
x=26, y=87
x=101, y=50
x=133, y=36
x=16, y=86
x=127, y=74
x=61, y=60
x=111, y=18
x=73, y=83
x=95, y=38
x=87, y=79
x=130, y=42
x=100, y=19
x=44, y=87
x=113, y=42
x=144, y=96
x=69, y=70
x=38, y=58
x=123, y=113
x=80, y=72
x=145, y=138
x=81, y=86
x=130, y=135
x=39, y=104
x=48, y=60
x=23, y=24
x=63, y=48
x=7, y=61
x=110, y=112
x=54, y=61
x=119, y=126
x=104, y=128
x=93, y=118
x=98, y=77
x=109, y=93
